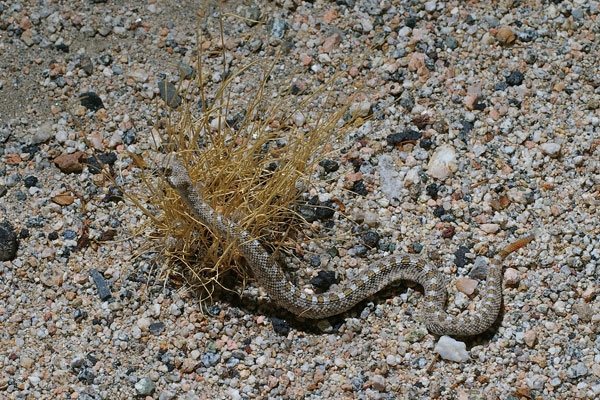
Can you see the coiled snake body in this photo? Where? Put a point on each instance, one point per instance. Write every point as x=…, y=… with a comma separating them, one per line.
x=397, y=267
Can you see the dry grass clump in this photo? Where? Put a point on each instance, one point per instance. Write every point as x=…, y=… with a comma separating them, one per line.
x=251, y=154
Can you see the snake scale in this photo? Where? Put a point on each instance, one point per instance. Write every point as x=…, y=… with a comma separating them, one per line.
x=397, y=267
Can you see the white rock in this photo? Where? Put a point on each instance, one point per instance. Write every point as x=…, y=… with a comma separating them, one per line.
x=389, y=177
x=443, y=162
x=479, y=149
x=490, y=228
x=430, y=6
x=536, y=382
x=450, y=349
x=139, y=75
x=324, y=58
x=42, y=134
x=361, y=109
x=552, y=11
x=551, y=149
x=233, y=394
x=404, y=32
x=412, y=177
x=298, y=118
x=143, y=323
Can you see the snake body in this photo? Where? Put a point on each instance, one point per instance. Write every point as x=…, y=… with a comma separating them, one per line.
x=397, y=267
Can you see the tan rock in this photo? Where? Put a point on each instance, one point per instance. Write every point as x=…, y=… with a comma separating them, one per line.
x=466, y=285
x=505, y=36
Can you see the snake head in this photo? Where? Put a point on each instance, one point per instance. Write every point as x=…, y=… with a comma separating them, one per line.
x=174, y=172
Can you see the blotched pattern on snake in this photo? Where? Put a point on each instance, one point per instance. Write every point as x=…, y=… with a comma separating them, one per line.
x=396, y=267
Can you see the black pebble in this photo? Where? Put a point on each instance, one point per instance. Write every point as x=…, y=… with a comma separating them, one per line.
x=404, y=136
x=426, y=143
x=359, y=188
x=280, y=326
x=91, y=101
x=31, y=149
x=479, y=106
x=8, y=242
x=432, y=190
x=439, y=211
x=62, y=47
x=459, y=256
x=329, y=165
x=95, y=163
x=323, y=280
x=53, y=235
x=370, y=238
x=101, y=286
x=325, y=210
x=296, y=89
x=30, y=181
x=515, y=78
x=114, y=195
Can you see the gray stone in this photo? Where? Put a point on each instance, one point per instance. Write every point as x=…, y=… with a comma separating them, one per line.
x=145, y=387
x=169, y=94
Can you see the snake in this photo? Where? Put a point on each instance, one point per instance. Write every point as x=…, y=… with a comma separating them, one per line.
x=406, y=267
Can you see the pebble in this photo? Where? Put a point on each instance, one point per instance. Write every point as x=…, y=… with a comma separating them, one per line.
x=140, y=75
x=530, y=338
x=361, y=109
x=145, y=387
x=490, y=228
x=389, y=177
x=512, y=277
x=515, y=78
x=451, y=349
x=505, y=36
x=70, y=163
x=551, y=149
x=91, y=101
x=101, y=286
x=466, y=285
x=584, y=311
x=443, y=162
x=8, y=242
x=559, y=307
x=378, y=383
x=168, y=93
x=496, y=85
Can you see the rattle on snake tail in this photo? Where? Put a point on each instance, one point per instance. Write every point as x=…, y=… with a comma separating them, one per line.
x=385, y=271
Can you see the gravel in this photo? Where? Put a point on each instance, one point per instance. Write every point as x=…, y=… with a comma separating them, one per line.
x=480, y=124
